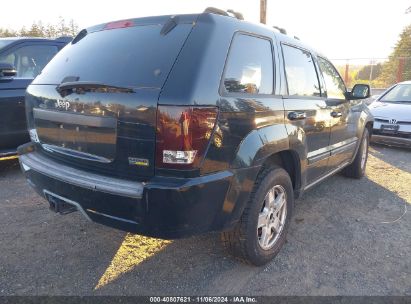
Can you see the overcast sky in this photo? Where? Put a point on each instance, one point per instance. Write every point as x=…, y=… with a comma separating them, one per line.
x=339, y=29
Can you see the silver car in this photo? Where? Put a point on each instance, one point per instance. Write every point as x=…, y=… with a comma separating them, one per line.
x=392, y=113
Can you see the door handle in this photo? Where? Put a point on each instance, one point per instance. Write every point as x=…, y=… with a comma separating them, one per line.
x=336, y=114
x=296, y=115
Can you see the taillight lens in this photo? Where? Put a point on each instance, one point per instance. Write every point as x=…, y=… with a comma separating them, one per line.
x=182, y=135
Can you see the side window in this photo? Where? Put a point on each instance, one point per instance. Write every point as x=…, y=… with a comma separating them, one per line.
x=300, y=71
x=30, y=60
x=249, y=67
x=335, y=85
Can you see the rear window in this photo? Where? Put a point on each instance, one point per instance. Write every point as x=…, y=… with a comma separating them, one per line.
x=250, y=66
x=134, y=57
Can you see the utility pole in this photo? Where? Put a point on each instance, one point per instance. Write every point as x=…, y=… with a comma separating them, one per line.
x=263, y=11
x=347, y=67
x=400, y=71
x=372, y=63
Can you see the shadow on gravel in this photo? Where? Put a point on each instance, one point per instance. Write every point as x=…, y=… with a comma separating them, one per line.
x=9, y=167
x=343, y=241
x=395, y=156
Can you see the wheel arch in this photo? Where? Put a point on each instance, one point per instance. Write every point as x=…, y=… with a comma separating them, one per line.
x=369, y=125
x=290, y=162
x=268, y=146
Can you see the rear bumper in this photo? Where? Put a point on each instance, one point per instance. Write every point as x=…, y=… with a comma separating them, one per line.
x=391, y=140
x=161, y=207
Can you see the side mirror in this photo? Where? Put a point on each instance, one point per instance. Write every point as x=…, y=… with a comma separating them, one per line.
x=7, y=70
x=360, y=91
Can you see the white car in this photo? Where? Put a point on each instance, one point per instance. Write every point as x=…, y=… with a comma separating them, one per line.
x=392, y=116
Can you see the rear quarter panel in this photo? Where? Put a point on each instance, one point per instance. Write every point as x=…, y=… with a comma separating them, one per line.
x=250, y=127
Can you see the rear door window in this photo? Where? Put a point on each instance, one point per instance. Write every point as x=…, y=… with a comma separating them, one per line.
x=300, y=72
x=249, y=67
x=136, y=56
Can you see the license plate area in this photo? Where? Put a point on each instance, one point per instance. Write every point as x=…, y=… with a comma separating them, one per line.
x=391, y=128
x=84, y=134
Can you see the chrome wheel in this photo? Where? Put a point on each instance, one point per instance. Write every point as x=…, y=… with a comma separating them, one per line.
x=364, y=152
x=271, y=219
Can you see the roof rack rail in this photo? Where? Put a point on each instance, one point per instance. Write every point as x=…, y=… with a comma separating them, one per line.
x=283, y=31
x=214, y=10
x=228, y=13
x=280, y=29
x=238, y=15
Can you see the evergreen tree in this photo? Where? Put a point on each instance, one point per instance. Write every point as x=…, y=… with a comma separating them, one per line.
x=38, y=29
x=8, y=33
x=400, y=55
x=35, y=31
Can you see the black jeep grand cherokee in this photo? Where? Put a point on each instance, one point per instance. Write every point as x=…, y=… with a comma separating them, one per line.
x=176, y=125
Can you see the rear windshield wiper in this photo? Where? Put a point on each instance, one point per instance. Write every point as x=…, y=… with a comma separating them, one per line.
x=87, y=85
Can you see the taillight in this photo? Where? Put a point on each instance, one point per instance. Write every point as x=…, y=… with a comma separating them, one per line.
x=182, y=135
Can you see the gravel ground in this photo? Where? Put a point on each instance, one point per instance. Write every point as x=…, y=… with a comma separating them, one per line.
x=348, y=237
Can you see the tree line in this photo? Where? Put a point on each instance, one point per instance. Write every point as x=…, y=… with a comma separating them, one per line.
x=38, y=29
x=383, y=74
x=396, y=68
x=399, y=61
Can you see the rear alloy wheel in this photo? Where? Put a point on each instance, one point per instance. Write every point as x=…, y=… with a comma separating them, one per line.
x=271, y=219
x=262, y=229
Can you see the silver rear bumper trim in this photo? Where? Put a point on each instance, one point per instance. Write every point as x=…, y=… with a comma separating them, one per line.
x=44, y=165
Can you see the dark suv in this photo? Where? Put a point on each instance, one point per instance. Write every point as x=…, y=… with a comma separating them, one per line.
x=21, y=60
x=177, y=125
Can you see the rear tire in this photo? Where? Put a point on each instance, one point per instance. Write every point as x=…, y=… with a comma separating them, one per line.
x=261, y=232
x=357, y=167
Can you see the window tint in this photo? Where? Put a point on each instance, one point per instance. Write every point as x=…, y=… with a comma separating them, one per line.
x=250, y=66
x=30, y=60
x=335, y=85
x=301, y=76
x=137, y=56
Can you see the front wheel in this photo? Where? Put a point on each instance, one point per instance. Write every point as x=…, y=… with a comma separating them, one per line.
x=357, y=168
x=262, y=229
